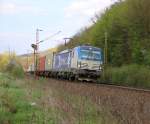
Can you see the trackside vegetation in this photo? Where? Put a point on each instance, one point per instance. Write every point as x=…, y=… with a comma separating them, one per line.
x=17, y=105
x=9, y=63
x=127, y=75
x=26, y=101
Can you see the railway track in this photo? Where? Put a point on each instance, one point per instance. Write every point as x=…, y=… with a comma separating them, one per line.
x=111, y=86
x=124, y=88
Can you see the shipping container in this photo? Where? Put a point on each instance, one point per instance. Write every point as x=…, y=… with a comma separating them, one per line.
x=49, y=62
x=41, y=64
x=62, y=61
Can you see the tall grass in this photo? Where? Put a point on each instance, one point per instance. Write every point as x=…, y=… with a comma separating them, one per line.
x=80, y=109
x=128, y=75
x=16, y=101
x=18, y=72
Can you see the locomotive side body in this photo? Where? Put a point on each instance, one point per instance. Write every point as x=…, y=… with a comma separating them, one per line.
x=62, y=64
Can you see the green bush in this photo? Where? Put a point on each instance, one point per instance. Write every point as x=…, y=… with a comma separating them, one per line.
x=18, y=72
x=131, y=75
x=14, y=69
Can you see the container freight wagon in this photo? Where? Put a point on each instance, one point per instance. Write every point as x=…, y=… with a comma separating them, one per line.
x=49, y=64
x=41, y=66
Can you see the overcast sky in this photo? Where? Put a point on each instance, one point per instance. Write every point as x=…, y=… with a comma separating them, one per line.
x=19, y=20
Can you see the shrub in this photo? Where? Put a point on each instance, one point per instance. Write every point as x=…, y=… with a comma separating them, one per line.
x=128, y=75
x=9, y=63
x=18, y=72
x=15, y=69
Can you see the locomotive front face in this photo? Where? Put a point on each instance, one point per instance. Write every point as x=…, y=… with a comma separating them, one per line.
x=90, y=58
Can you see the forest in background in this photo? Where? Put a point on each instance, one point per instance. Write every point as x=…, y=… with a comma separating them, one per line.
x=127, y=24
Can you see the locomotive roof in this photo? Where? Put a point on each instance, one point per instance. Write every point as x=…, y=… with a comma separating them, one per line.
x=88, y=46
x=65, y=51
x=82, y=46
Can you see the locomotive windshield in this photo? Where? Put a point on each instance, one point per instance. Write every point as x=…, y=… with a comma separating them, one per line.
x=90, y=53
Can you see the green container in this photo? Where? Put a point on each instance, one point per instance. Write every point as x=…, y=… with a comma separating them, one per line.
x=49, y=62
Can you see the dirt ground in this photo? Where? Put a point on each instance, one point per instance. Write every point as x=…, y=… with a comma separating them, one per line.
x=129, y=107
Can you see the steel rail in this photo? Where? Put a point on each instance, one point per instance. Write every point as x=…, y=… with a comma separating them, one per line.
x=105, y=85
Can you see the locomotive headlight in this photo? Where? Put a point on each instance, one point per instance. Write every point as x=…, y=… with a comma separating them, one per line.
x=100, y=67
x=79, y=64
x=101, y=62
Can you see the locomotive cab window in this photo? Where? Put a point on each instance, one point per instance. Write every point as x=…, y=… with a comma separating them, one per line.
x=88, y=53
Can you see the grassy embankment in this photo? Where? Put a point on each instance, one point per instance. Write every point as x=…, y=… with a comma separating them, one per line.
x=128, y=75
x=17, y=103
x=24, y=101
